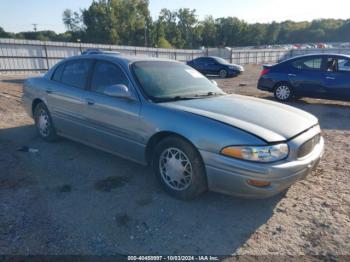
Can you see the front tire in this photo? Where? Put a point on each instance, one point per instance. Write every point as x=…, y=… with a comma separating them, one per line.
x=223, y=73
x=179, y=168
x=283, y=92
x=44, y=124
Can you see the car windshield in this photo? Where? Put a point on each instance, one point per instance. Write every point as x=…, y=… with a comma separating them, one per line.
x=166, y=81
x=220, y=60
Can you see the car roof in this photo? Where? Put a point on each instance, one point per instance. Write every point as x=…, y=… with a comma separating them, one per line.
x=316, y=54
x=124, y=59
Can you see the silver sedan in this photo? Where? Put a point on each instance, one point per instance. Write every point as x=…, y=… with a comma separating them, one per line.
x=165, y=114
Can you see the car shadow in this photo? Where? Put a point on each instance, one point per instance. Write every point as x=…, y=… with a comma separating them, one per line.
x=215, y=77
x=81, y=200
x=14, y=81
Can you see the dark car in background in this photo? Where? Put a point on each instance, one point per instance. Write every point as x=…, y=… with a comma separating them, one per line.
x=212, y=65
x=318, y=75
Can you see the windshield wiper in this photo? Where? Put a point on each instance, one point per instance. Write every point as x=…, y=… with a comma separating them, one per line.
x=197, y=96
x=177, y=98
x=209, y=94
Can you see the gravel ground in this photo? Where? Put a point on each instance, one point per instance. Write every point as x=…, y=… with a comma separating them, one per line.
x=71, y=199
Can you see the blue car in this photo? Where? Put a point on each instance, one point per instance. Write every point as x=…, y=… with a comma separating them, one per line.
x=212, y=65
x=319, y=75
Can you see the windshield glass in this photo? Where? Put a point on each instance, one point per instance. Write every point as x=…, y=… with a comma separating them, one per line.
x=162, y=81
x=221, y=60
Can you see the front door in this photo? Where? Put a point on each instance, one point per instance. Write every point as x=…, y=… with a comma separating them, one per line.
x=113, y=122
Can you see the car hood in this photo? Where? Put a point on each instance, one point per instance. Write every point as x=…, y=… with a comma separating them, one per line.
x=237, y=67
x=271, y=121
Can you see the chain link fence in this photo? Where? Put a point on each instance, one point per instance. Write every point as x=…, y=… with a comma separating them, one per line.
x=38, y=56
x=262, y=56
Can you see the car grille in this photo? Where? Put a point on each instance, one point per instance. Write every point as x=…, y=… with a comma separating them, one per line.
x=308, y=146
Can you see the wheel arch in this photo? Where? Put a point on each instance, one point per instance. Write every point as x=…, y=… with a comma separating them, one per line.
x=35, y=102
x=223, y=68
x=283, y=82
x=156, y=138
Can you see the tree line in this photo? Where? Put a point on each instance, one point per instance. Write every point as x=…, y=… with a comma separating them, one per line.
x=128, y=22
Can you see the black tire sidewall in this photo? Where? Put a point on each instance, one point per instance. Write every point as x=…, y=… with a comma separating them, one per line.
x=199, y=181
x=52, y=133
x=290, y=94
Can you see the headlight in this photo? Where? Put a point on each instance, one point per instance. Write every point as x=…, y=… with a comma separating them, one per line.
x=257, y=153
x=233, y=67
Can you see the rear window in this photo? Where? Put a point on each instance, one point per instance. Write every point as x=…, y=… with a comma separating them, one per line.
x=75, y=73
x=314, y=63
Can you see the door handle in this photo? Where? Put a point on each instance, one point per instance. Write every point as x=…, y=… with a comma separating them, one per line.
x=329, y=77
x=48, y=91
x=90, y=102
x=292, y=75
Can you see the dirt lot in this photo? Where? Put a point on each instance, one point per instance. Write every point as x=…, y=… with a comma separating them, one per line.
x=71, y=199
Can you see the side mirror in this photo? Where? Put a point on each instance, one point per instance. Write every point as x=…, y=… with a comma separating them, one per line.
x=214, y=82
x=119, y=90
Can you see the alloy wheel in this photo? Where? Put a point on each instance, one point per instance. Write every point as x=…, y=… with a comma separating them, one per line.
x=283, y=92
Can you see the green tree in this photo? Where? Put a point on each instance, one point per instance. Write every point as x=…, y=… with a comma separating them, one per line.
x=3, y=33
x=209, y=32
x=187, y=21
x=72, y=20
x=163, y=43
x=101, y=23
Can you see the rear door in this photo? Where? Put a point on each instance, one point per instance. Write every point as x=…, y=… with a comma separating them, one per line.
x=307, y=76
x=113, y=122
x=66, y=96
x=337, y=77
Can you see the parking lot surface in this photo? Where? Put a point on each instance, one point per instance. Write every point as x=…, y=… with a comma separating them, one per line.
x=66, y=198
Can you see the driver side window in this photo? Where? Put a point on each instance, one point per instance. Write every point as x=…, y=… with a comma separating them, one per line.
x=107, y=74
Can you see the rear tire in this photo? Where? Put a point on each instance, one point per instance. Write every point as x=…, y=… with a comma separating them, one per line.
x=283, y=92
x=179, y=168
x=44, y=124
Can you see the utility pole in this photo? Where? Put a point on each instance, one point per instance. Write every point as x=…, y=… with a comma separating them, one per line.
x=145, y=36
x=35, y=27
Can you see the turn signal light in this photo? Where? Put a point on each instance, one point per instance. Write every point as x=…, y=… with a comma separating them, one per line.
x=258, y=183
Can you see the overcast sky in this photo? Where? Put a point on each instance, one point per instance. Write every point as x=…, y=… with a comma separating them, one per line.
x=19, y=15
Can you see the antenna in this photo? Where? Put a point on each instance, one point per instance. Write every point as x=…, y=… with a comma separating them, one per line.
x=35, y=27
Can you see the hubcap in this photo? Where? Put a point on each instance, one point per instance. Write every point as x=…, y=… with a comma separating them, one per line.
x=43, y=123
x=175, y=168
x=283, y=92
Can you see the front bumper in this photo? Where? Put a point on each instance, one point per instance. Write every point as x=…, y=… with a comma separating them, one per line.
x=232, y=73
x=229, y=176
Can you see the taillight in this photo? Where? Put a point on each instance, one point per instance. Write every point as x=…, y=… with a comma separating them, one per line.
x=264, y=71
